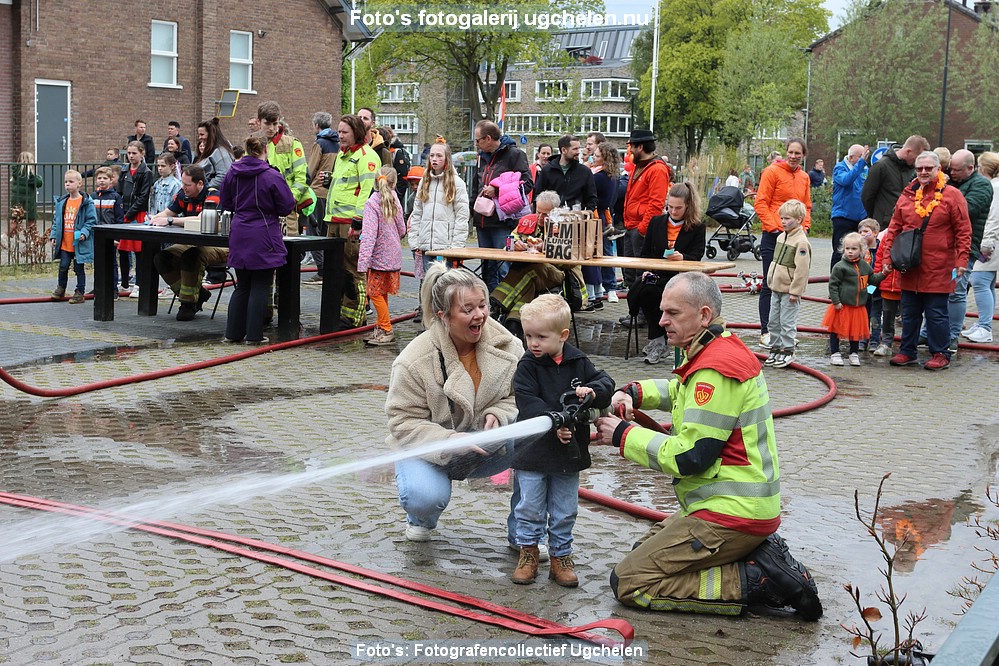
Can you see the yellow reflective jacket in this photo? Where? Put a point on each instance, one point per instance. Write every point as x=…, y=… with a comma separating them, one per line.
x=354, y=174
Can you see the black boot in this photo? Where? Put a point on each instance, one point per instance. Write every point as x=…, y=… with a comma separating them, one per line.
x=770, y=576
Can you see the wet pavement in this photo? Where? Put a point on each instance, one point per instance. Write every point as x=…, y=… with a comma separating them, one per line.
x=76, y=596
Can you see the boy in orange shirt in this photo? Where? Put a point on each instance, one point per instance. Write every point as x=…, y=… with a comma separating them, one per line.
x=74, y=216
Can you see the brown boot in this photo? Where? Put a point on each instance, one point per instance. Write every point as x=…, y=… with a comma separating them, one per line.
x=563, y=571
x=527, y=566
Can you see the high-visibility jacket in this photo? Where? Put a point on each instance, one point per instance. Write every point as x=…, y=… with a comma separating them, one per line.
x=354, y=174
x=722, y=453
x=288, y=157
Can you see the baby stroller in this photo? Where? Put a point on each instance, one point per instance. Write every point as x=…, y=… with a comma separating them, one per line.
x=735, y=219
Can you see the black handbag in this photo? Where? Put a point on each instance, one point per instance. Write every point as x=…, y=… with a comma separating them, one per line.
x=907, y=250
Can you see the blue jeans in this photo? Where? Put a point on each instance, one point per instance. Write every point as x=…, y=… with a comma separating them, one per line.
x=425, y=489
x=607, y=275
x=984, y=284
x=493, y=271
x=916, y=305
x=768, y=243
x=65, y=259
x=550, y=500
x=957, y=302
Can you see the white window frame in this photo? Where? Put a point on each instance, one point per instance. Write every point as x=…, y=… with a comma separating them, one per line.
x=242, y=62
x=510, y=87
x=551, y=83
x=983, y=144
x=396, y=92
x=401, y=123
x=172, y=55
x=623, y=85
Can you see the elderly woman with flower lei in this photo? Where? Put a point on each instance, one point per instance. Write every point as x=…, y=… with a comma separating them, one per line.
x=946, y=243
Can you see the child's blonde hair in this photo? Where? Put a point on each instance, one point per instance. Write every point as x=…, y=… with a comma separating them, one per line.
x=869, y=223
x=28, y=159
x=73, y=172
x=385, y=184
x=852, y=237
x=104, y=171
x=550, y=309
x=450, y=178
x=794, y=209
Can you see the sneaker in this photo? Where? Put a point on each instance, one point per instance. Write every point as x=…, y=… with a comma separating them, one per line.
x=784, y=359
x=657, y=353
x=966, y=333
x=854, y=359
x=314, y=281
x=617, y=233
x=186, y=311
x=542, y=550
x=836, y=359
x=257, y=343
x=386, y=338
x=882, y=350
x=952, y=347
x=417, y=533
x=771, y=576
x=308, y=259
x=626, y=320
x=592, y=306
x=980, y=335
x=938, y=362
x=922, y=341
x=765, y=341
x=612, y=296
x=58, y=293
x=772, y=358
x=134, y=293
x=901, y=359
x=76, y=298
x=230, y=341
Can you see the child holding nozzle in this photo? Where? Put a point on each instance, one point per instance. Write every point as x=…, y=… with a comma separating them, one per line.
x=546, y=480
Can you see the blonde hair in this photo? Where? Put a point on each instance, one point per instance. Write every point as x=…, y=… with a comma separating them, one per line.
x=988, y=164
x=793, y=208
x=27, y=159
x=944, y=154
x=550, y=309
x=73, y=172
x=385, y=182
x=870, y=223
x=450, y=182
x=852, y=237
x=441, y=285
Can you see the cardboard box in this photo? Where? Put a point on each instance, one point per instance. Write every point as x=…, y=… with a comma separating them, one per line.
x=573, y=234
x=193, y=224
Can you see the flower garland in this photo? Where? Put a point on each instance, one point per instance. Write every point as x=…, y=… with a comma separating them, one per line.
x=937, y=198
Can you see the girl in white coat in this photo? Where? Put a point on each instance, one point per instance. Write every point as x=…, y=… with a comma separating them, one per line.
x=983, y=276
x=440, y=214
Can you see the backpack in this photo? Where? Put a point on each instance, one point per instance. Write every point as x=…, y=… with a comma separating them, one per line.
x=572, y=292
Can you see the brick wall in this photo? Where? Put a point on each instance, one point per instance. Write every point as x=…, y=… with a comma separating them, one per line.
x=103, y=51
x=8, y=92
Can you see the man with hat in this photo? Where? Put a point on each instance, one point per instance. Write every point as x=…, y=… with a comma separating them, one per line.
x=645, y=196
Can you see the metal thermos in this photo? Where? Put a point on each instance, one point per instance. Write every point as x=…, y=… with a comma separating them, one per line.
x=225, y=222
x=209, y=220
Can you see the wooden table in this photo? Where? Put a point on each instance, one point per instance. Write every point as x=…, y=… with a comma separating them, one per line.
x=152, y=239
x=635, y=263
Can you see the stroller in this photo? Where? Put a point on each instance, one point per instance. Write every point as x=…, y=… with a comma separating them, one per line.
x=735, y=219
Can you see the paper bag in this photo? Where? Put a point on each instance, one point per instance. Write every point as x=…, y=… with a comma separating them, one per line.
x=572, y=235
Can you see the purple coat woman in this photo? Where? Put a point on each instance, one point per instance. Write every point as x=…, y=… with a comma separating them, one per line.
x=258, y=197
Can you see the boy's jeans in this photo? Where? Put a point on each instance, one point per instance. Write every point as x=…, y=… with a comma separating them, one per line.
x=551, y=499
x=65, y=259
x=783, y=321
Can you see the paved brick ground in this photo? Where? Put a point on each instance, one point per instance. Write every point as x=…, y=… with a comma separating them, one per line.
x=115, y=597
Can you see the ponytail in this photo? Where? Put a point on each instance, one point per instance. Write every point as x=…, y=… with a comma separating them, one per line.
x=385, y=184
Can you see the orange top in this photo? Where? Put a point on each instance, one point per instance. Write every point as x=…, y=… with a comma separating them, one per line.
x=472, y=368
x=780, y=183
x=69, y=223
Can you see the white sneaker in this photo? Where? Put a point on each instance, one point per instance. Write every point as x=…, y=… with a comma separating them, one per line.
x=135, y=292
x=417, y=533
x=765, y=341
x=542, y=551
x=612, y=296
x=836, y=359
x=966, y=333
x=657, y=350
x=980, y=335
x=854, y=359
x=883, y=350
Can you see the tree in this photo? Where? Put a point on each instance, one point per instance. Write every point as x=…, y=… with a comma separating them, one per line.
x=694, y=38
x=881, y=76
x=976, y=79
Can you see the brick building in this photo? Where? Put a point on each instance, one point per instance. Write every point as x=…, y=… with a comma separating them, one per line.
x=77, y=74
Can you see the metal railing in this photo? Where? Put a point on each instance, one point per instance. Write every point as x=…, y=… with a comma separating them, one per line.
x=27, y=201
x=975, y=640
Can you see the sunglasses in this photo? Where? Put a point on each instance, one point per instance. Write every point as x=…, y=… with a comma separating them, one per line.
x=929, y=168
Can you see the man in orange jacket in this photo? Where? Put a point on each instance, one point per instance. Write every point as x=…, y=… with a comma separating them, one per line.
x=646, y=194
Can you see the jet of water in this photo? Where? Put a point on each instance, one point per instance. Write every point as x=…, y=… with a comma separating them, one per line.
x=47, y=533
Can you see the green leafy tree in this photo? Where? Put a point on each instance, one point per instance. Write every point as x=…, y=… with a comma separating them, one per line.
x=693, y=47
x=976, y=79
x=881, y=76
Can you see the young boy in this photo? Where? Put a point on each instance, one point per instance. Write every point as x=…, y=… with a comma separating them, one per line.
x=547, y=469
x=162, y=192
x=71, y=241
x=787, y=279
x=107, y=203
x=869, y=229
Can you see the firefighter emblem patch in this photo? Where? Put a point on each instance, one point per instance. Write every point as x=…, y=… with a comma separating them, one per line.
x=371, y=166
x=703, y=392
x=298, y=152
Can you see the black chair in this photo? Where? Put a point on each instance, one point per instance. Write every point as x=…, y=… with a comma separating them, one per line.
x=230, y=277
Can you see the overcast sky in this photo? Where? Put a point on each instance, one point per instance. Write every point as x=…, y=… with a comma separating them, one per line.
x=645, y=7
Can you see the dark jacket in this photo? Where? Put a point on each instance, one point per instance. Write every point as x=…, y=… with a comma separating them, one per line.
x=185, y=147
x=606, y=195
x=688, y=243
x=574, y=185
x=401, y=161
x=817, y=178
x=134, y=190
x=147, y=142
x=848, y=282
x=24, y=190
x=108, y=205
x=885, y=181
x=538, y=385
x=977, y=191
x=506, y=158
x=258, y=196
x=322, y=154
